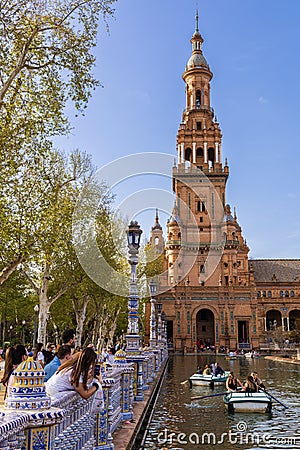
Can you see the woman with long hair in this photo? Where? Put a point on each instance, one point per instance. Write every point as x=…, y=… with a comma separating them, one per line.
x=13, y=357
x=76, y=374
x=38, y=355
x=233, y=383
x=249, y=385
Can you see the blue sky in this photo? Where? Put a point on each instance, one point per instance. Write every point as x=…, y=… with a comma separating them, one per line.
x=252, y=47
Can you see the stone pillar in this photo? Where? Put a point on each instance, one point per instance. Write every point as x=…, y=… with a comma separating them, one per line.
x=28, y=395
x=205, y=152
x=194, y=153
x=217, y=152
x=126, y=384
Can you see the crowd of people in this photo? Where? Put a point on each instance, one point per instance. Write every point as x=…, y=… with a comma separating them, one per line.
x=66, y=368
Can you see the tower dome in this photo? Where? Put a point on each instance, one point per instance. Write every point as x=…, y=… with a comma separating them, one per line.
x=197, y=60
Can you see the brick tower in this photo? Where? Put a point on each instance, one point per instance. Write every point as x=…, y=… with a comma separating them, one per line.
x=206, y=254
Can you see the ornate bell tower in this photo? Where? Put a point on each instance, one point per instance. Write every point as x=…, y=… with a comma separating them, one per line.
x=201, y=222
x=199, y=136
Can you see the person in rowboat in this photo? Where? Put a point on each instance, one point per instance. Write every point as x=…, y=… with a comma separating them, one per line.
x=233, y=383
x=257, y=380
x=249, y=385
x=217, y=370
x=207, y=370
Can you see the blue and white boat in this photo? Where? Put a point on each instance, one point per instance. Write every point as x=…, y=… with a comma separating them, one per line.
x=207, y=380
x=240, y=402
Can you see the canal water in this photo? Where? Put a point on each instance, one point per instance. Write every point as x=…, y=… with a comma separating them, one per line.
x=180, y=423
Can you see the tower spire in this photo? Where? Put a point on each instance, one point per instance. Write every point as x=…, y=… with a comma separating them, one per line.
x=197, y=21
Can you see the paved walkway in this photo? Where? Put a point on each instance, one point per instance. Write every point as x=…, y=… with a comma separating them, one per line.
x=283, y=360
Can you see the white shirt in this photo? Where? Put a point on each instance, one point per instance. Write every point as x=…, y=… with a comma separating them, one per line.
x=40, y=358
x=60, y=382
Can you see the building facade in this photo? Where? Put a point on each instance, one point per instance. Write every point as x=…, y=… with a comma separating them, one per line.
x=210, y=292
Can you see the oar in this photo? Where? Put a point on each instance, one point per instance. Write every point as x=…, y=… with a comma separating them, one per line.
x=272, y=396
x=184, y=382
x=198, y=397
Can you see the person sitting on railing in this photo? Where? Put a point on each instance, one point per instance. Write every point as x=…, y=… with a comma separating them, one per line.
x=76, y=374
x=13, y=357
x=232, y=383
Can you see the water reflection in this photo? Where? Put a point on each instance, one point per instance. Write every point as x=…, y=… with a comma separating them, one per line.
x=179, y=423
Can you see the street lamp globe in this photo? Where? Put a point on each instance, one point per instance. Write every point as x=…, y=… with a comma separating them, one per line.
x=134, y=235
x=152, y=288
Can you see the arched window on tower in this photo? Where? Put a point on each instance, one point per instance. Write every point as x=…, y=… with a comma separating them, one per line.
x=211, y=156
x=188, y=154
x=199, y=152
x=198, y=98
x=156, y=240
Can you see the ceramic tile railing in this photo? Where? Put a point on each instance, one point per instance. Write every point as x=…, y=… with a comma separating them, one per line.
x=68, y=423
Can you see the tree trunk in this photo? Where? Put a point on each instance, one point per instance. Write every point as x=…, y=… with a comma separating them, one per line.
x=43, y=317
x=80, y=312
x=5, y=274
x=101, y=333
x=44, y=305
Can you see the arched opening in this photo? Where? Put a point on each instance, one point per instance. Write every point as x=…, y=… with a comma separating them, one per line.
x=211, y=156
x=199, y=158
x=273, y=319
x=294, y=319
x=188, y=154
x=205, y=327
x=198, y=98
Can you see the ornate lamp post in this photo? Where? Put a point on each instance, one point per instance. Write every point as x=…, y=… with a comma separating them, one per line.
x=164, y=333
x=133, y=338
x=153, y=289
x=159, y=326
x=36, y=311
x=10, y=330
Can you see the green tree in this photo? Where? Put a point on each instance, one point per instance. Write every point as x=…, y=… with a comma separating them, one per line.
x=46, y=62
x=49, y=269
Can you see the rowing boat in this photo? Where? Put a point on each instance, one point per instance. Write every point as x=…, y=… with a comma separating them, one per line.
x=207, y=380
x=256, y=402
